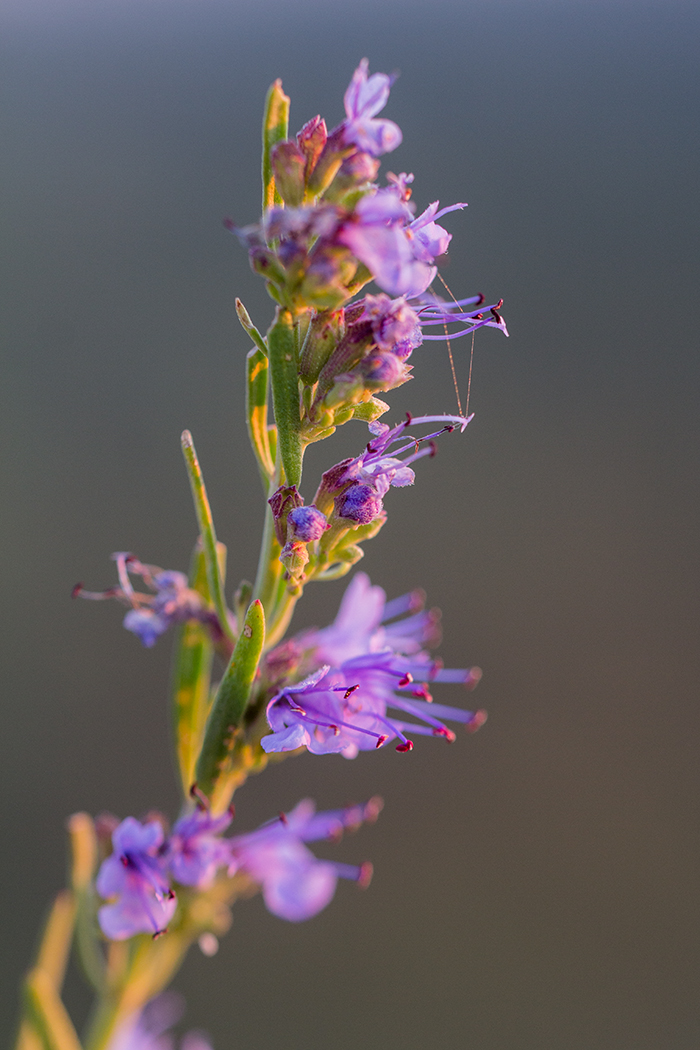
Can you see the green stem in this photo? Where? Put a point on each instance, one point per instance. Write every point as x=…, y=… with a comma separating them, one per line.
x=208, y=534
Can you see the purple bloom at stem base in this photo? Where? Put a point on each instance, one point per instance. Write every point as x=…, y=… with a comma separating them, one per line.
x=295, y=884
x=148, y=1028
x=134, y=874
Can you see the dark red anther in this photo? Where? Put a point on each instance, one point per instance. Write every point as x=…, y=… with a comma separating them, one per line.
x=479, y=317
x=350, y=690
x=231, y=811
x=423, y=694
x=449, y=428
x=433, y=449
x=365, y=876
x=159, y=933
x=409, y=419
x=381, y=740
x=480, y=299
x=496, y=314
x=407, y=746
x=477, y=720
x=283, y=819
x=169, y=896
x=447, y=733
x=76, y=590
x=229, y=224
x=125, y=860
x=499, y=304
x=406, y=680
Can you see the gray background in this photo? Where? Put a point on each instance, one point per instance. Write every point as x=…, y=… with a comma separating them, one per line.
x=536, y=885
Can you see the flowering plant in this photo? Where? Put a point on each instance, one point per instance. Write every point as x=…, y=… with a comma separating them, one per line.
x=142, y=891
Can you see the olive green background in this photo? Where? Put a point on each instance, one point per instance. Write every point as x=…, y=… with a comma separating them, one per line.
x=536, y=885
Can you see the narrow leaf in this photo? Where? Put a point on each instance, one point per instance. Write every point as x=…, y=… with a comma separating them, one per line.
x=231, y=700
x=256, y=412
x=207, y=532
x=47, y=1013
x=275, y=129
x=194, y=655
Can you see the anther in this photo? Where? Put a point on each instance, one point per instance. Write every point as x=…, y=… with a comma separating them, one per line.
x=350, y=691
x=159, y=933
x=406, y=680
x=283, y=819
x=408, y=746
x=480, y=299
x=76, y=590
x=365, y=876
x=381, y=740
x=477, y=720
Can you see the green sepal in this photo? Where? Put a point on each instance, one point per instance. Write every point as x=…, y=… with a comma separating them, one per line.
x=194, y=654
x=281, y=341
x=275, y=129
x=370, y=410
x=230, y=701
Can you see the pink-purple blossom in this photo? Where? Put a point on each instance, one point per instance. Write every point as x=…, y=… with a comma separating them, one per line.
x=365, y=97
x=295, y=884
x=135, y=876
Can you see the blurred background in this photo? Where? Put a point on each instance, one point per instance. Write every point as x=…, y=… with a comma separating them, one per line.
x=536, y=885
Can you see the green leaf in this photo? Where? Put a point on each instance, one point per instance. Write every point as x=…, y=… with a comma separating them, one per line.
x=275, y=129
x=207, y=533
x=194, y=655
x=231, y=700
x=281, y=341
x=47, y=1014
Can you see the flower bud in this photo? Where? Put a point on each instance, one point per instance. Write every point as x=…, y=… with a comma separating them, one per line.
x=306, y=524
x=284, y=500
x=325, y=332
x=311, y=140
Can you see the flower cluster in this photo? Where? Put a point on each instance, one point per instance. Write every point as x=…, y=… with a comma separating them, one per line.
x=137, y=877
x=372, y=665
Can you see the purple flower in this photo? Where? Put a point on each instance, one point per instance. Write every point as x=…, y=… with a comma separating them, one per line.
x=395, y=324
x=151, y=615
x=295, y=884
x=358, y=486
x=364, y=98
x=195, y=850
x=361, y=625
x=148, y=1028
x=398, y=249
x=432, y=311
x=344, y=710
x=134, y=874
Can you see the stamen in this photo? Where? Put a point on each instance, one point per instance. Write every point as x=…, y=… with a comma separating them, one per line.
x=407, y=746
